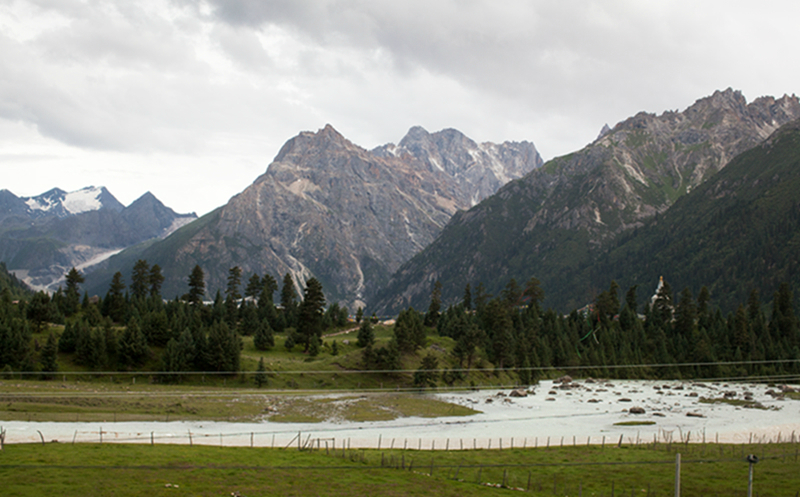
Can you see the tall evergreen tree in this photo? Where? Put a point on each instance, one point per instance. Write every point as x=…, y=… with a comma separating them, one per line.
x=140, y=280
x=115, y=300
x=268, y=288
x=409, y=331
x=41, y=310
x=254, y=286
x=72, y=296
x=156, y=279
x=310, y=312
x=49, y=357
x=288, y=300
x=197, y=286
x=261, y=374
x=427, y=375
x=432, y=316
x=224, y=348
x=685, y=314
x=232, y=294
x=263, y=338
x=132, y=346
x=365, y=334
x=68, y=339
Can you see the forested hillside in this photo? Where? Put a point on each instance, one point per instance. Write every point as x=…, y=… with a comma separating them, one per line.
x=11, y=286
x=737, y=232
x=558, y=222
x=484, y=340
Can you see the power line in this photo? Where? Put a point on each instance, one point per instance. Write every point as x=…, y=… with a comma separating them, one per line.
x=402, y=371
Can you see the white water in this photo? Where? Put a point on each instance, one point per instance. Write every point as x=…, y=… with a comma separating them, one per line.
x=530, y=421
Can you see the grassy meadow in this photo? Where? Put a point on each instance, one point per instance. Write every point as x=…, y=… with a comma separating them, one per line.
x=134, y=470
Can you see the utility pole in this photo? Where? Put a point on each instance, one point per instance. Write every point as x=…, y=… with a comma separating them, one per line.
x=752, y=459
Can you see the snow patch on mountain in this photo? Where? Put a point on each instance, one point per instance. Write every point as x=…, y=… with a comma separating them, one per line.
x=43, y=204
x=84, y=200
x=177, y=224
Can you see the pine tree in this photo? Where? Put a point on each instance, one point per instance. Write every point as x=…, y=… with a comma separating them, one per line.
x=197, y=286
x=467, y=298
x=72, y=296
x=359, y=315
x=156, y=279
x=140, y=280
x=365, y=334
x=249, y=319
x=426, y=375
x=132, y=347
x=432, y=316
x=288, y=300
x=685, y=314
x=409, y=332
x=314, y=346
x=40, y=310
x=261, y=374
x=232, y=294
x=268, y=288
x=254, y=286
x=68, y=339
x=289, y=342
x=224, y=348
x=49, y=357
x=309, y=315
x=263, y=339
x=116, y=299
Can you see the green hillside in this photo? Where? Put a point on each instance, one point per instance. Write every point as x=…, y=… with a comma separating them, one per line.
x=16, y=288
x=736, y=232
x=161, y=252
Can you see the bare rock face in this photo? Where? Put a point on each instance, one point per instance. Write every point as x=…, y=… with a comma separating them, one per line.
x=350, y=217
x=548, y=222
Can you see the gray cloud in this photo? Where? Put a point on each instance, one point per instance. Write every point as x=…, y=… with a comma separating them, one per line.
x=232, y=80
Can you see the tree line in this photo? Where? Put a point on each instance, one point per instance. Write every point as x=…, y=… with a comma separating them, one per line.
x=513, y=332
x=134, y=327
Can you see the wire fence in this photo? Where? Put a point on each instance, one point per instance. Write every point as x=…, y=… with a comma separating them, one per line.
x=620, y=478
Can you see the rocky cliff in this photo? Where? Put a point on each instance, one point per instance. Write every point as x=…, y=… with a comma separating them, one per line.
x=348, y=216
x=550, y=223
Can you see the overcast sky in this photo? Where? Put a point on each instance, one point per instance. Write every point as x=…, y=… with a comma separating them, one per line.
x=192, y=100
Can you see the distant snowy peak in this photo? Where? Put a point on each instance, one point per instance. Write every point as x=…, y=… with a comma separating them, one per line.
x=62, y=204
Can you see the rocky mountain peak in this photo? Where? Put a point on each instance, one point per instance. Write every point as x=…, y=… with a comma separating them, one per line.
x=578, y=202
x=325, y=141
x=350, y=217
x=59, y=203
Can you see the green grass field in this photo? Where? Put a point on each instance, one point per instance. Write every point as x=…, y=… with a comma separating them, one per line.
x=35, y=400
x=134, y=470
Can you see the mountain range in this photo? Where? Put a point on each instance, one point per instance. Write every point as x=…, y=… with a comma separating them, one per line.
x=558, y=220
x=42, y=237
x=654, y=195
x=330, y=209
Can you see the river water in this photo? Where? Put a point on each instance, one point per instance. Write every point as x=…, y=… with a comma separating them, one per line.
x=585, y=412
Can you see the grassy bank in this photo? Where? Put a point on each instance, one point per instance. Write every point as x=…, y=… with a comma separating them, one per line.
x=133, y=470
x=104, y=401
